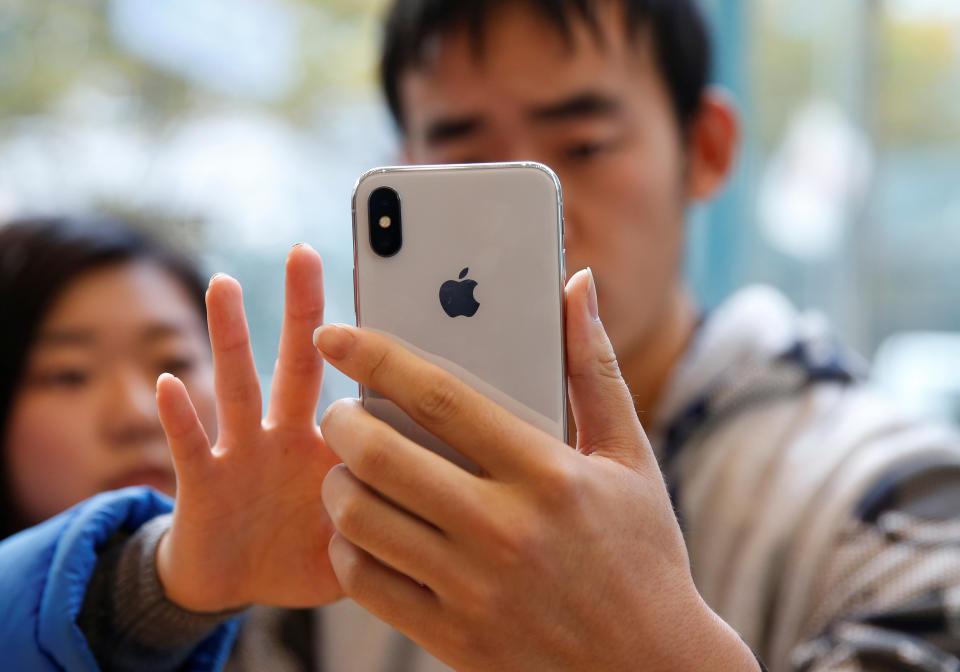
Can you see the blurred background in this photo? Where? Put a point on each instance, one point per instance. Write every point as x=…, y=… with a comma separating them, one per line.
x=238, y=127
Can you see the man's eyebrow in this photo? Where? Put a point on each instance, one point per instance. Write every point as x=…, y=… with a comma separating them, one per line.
x=585, y=105
x=447, y=130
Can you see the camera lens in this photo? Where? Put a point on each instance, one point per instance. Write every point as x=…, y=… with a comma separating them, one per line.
x=386, y=230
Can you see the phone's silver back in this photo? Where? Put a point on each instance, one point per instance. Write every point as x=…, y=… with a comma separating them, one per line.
x=503, y=223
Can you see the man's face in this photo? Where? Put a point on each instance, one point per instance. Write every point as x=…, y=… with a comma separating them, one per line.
x=599, y=114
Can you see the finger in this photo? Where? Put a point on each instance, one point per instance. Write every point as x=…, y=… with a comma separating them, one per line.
x=417, y=479
x=603, y=409
x=297, y=378
x=235, y=374
x=468, y=422
x=188, y=442
x=386, y=593
x=392, y=536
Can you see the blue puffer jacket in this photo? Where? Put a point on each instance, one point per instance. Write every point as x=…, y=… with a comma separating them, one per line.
x=44, y=573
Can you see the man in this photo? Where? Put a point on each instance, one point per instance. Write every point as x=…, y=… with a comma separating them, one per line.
x=817, y=523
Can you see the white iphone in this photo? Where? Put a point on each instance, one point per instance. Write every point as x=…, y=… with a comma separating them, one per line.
x=463, y=265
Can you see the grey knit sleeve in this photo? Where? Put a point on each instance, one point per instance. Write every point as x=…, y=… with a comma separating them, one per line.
x=126, y=618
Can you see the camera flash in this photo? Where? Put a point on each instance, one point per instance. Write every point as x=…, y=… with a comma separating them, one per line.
x=385, y=222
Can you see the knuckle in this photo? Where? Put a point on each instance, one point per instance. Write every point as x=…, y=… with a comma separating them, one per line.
x=609, y=366
x=302, y=364
x=438, y=404
x=561, y=481
x=606, y=365
x=478, y=620
x=240, y=392
x=311, y=314
x=348, y=571
x=452, y=633
x=334, y=414
x=378, y=368
x=231, y=344
x=370, y=460
x=348, y=515
x=360, y=442
x=513, y=543
x=480, y=603
x=181, y=429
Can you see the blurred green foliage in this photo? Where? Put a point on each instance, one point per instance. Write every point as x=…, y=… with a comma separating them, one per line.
x=49, y=46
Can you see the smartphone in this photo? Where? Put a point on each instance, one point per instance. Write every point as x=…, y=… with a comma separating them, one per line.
x=464, y=266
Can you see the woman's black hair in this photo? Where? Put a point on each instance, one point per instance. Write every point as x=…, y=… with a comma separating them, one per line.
x=39, y=257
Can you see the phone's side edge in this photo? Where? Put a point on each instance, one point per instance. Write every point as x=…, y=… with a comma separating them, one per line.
x=356, y=259
x=562, y=265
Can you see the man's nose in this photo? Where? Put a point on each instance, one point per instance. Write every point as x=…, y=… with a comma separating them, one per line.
x=517, y=149
x=130, y=407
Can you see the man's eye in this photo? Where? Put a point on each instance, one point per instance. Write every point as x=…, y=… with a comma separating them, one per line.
x=586, y=150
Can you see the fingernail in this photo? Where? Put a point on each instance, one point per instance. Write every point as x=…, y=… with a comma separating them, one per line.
x=592, y=307
x=163, y=376
x=333, y=340
x=216, y=275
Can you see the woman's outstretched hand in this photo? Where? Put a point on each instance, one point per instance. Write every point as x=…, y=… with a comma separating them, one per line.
x=249, y=525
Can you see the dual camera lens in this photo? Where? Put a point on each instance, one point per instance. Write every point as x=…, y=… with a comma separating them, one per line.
x=386, y=230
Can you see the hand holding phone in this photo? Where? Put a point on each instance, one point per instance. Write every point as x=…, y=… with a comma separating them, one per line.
x=549, y=558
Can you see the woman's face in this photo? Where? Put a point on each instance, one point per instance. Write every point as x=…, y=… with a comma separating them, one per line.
x=85, y=418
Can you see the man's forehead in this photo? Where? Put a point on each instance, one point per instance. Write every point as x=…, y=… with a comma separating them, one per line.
x=520, y=69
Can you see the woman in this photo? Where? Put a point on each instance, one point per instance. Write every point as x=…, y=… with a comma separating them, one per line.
x=104, y=336
x=93, y=313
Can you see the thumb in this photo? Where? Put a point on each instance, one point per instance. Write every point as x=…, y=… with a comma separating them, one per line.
x=603, y=409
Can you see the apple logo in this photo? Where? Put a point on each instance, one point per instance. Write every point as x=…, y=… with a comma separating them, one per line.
x=456, y=298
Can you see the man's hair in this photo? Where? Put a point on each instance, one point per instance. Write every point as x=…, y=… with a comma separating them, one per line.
x=677, y=28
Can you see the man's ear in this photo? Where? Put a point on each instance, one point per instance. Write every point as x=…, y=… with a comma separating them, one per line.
x=713, y=141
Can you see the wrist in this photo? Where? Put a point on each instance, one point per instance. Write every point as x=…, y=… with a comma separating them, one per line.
x=188, y=592
x=688, y=635
x=167, y=575
x=718, y=646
